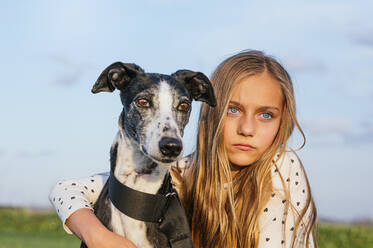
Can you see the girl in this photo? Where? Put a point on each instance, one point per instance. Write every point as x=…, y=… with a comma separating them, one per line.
x=242, y=186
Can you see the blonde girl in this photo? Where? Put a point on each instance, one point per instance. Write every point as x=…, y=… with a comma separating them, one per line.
x=242, y=187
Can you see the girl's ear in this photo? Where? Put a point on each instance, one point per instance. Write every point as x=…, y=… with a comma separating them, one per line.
x=198, y=85
x=116, y=76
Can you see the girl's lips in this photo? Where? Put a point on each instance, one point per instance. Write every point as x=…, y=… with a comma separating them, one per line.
x=244, y=147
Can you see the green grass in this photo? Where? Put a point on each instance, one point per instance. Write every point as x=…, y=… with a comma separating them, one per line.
x=33, y=229
x=40, y=240
x=42, y=229
x=341, y=235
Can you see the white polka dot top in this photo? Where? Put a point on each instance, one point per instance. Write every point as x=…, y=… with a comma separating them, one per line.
x=275, y=226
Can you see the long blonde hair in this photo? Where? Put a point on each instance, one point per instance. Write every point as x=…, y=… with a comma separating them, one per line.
x=222, y=214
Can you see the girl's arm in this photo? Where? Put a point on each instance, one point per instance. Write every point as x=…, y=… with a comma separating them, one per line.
x=277, y=222
x=88, y=228
x=73, y=201
x=70, y=195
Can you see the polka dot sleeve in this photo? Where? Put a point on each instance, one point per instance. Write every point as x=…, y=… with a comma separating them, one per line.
x=70, y=195
x=279, y=216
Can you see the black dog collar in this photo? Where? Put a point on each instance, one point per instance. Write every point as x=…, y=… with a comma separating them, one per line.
x=164, y=209
x=136, y=204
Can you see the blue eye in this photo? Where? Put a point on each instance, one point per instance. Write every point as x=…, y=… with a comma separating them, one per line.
x=232, y=110
x=266, y=116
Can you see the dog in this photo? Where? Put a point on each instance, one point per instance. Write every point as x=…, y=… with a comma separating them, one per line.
x=156, y=109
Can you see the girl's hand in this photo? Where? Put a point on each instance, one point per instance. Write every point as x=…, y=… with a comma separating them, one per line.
x=84, y=224
x=108, y=239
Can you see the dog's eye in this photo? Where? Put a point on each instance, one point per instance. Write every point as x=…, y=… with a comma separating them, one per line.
x=143, y=103
x=183, y=106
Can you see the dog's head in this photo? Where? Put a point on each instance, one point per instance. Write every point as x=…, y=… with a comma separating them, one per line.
x=156, y=107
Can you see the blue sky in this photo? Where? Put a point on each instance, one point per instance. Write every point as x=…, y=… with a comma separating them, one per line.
x=52, y=52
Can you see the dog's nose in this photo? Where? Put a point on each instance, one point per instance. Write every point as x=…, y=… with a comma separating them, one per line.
x=170, y=147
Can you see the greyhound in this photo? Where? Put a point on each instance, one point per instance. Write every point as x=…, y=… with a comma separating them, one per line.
x=156, y=108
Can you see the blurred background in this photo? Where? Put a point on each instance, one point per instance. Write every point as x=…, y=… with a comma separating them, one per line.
x=51, y=53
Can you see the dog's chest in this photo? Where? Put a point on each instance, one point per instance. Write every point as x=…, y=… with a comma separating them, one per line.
x=132, y=229
x=135, y=230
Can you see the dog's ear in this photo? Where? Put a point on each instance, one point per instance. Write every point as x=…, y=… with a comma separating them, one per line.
x=198, y=85
x=116, y=76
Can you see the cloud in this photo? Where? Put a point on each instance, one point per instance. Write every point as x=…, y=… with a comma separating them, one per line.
x=297, y=64
x=324, y=126
x=23, y=154
x=68, y=72
x=167, y=1
x=35, y=154
x=364, y=134
x=45, y=153
x=365, y=39
x=341, y=130
x=359, y=139
x=69, y=79
x=368, y=125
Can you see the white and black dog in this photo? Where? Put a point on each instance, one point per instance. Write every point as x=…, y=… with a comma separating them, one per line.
x=156, y=108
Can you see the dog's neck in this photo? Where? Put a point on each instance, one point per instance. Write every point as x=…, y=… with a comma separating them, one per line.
x=134, y=169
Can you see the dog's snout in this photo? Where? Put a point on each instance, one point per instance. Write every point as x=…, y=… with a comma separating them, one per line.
x=170, y=147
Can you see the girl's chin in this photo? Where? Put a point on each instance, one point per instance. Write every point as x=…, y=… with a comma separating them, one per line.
x=241, y=162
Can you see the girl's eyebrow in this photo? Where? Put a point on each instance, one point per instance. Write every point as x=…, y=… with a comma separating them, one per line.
x=235, y=103
x=265, y=108
x=261, y=108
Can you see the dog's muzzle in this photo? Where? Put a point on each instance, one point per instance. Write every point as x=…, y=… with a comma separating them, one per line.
x=170, y=147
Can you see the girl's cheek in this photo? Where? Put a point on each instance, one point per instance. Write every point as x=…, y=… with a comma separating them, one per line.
x=227, y=130
x=268, y=135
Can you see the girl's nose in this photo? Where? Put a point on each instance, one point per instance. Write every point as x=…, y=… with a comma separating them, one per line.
x=246, y=126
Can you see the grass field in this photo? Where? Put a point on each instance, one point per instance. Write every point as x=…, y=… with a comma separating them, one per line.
x=42, y=229
x=33, y=229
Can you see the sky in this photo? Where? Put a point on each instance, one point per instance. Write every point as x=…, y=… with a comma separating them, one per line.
x=51, y=53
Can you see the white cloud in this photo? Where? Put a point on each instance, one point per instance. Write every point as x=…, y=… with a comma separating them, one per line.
x=363, y=135
x=324, y=126
x=25, y=154
x=364, y=37
x=68, y=72
x=299, y=64
x=334, y=131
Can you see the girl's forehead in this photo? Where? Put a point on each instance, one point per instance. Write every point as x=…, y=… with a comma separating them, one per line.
x=260, y=89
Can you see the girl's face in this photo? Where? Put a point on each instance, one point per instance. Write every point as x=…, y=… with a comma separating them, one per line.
x=253, y=119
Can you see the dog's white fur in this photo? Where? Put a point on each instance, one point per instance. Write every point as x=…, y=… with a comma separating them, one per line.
x=130, y=159
x=154, y=131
